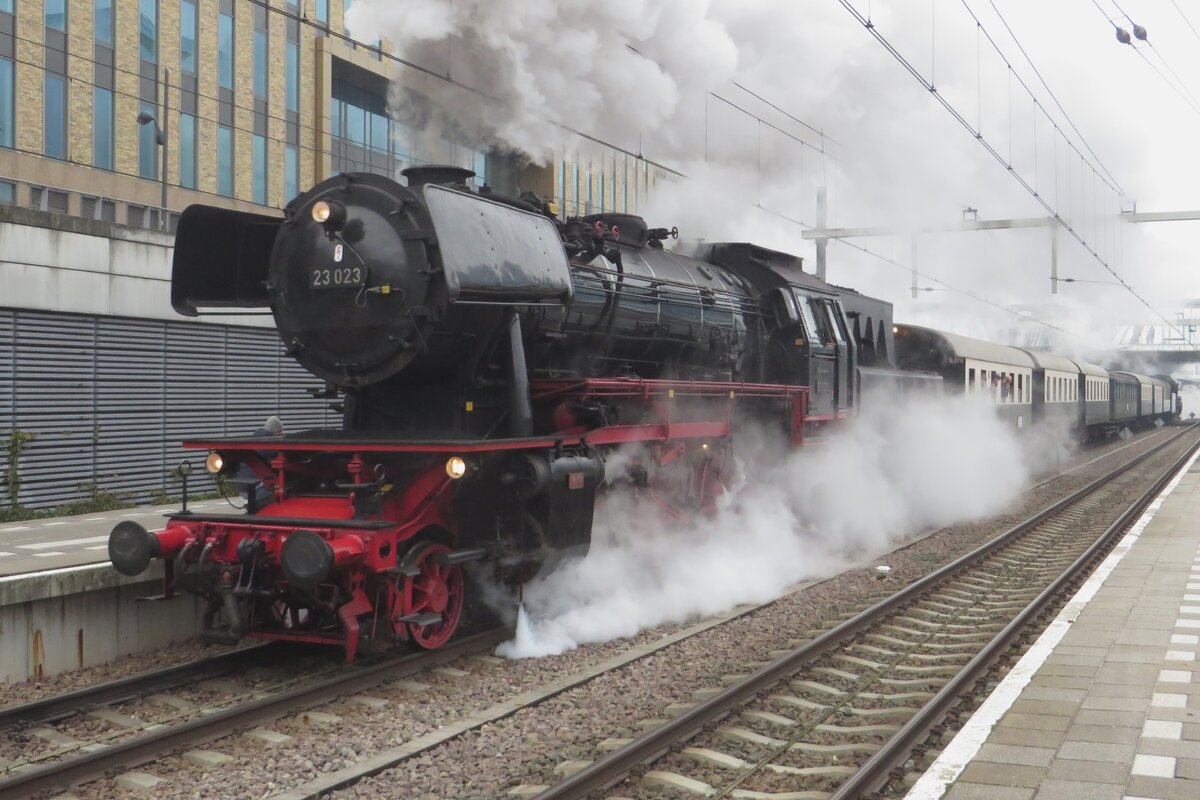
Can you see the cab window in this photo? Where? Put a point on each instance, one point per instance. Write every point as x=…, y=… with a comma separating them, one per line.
x=824, y=326
x=810, y=322
x=837, y=321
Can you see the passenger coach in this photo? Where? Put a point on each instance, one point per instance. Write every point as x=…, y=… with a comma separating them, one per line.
x=1057, y=394
x=972, y=366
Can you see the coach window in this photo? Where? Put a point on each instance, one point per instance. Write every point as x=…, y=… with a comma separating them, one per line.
x=971, y=379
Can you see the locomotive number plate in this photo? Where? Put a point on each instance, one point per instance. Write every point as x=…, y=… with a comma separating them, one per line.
x=337, y=278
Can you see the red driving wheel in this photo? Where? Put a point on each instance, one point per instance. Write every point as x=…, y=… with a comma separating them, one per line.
x=438, y=589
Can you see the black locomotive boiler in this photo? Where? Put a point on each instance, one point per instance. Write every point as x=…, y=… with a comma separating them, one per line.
x=486, y=358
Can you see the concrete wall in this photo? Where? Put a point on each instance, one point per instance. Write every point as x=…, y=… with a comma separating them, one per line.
x=53, y=622
x=54, y=262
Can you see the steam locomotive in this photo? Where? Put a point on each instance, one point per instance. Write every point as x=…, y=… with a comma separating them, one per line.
x=486, y=359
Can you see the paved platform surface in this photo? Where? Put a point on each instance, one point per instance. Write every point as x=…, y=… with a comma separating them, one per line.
x=37, y=545
x=1106, y=704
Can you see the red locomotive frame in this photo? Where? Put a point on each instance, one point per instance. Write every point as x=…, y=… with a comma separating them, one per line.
x=396, y=573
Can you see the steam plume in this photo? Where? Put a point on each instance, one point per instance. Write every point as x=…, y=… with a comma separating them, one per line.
x=900, y=469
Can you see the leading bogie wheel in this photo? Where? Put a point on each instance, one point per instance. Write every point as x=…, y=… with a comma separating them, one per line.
x=439, y=588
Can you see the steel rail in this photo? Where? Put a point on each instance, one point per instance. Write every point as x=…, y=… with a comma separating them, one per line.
x=146, y=747
x=875, y=772
x=59, y=706
x=619, y=763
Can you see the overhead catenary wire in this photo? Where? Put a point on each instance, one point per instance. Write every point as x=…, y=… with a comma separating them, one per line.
x=1175, y=87
x=873, y=30
x=751, y=114
x=1050, y=91
x=1185, y=19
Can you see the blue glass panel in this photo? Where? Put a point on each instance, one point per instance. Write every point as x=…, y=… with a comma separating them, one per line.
x=225, y=161
x=291, y=173
x=562, y=185
x=187, y=151
x=6, y=5
x=293, y=76
x=6, y=103
x=225, y=51
x=379, y=132
x=54, y=130
x=260, y=63
x=56, y=14
x=148, y=29
x=102, y=128
x=480, y=167
x=356, y=119
x=187, y=36
x=103, y=21
x=258, y=168
x=147, y=145
x=322, y=10
x=336, y=122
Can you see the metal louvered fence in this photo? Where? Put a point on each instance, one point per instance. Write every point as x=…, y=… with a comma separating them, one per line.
x=107, y=400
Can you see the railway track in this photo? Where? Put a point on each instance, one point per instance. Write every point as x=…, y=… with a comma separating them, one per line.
x=115, y=748
x=61, y=752
x=841, y=715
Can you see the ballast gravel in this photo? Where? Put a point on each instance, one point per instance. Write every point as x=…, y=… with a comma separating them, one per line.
x=528, y=747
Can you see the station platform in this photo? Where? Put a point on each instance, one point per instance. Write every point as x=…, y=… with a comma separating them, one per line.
x=40, y=545
x=1106, y=703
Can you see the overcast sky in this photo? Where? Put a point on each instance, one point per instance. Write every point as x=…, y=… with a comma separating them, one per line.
x=655, y=76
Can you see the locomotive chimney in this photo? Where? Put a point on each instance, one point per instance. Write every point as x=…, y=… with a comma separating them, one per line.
x=437, y=173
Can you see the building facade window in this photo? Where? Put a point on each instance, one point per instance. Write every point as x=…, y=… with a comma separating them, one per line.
x=147, y=144
x=54, y=118
x=291, y=173
x=6, y=103
x=148, y=30
x=261, y=67
x=225, y=161
x=102, y=128
x=102, y=22
x=258, y=170
x=293, y=76
x=323, y=11
x=225, y=51
x=56, y=15
x=187, y=151
x=187, y=36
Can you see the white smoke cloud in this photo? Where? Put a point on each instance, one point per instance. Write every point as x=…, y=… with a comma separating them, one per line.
x=614, y=69
x=653, y=77
x=904, y=467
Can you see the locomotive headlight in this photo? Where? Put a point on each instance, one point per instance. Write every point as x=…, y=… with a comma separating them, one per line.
x=330, y=213
x=456, y=467
x=214, y=463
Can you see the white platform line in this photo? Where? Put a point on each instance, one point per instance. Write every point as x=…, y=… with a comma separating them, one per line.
x=47, y=555
x=17, y=528
x=966, y=743
x=53, y=524
x=63, y=543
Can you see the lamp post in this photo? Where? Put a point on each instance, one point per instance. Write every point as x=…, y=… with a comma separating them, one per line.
x=160, y=136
